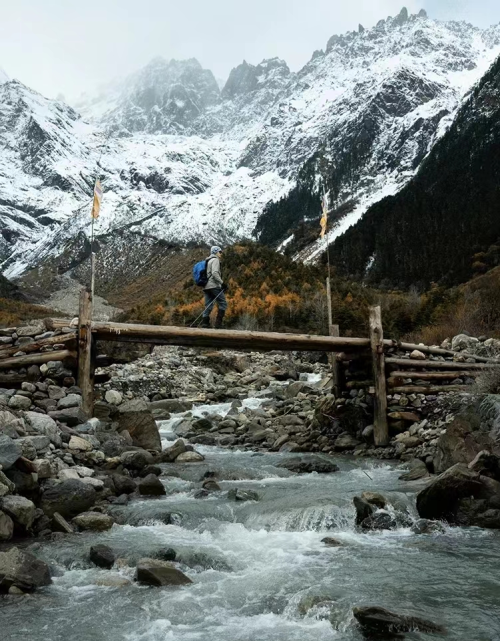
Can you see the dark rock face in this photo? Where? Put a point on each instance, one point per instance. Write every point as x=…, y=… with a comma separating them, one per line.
x=123, y=484
x=159, y=573
x=151, y=486
x=462, y=497
x=10, y=451
x=461, y=443
x=102, y=555
x=136, y=459
x=69, y=498
x=424, y=526
x=136, y=417
x=375, y=620
x=306, y=465
x=22, y=570
x=379, y=521
x=363, y=509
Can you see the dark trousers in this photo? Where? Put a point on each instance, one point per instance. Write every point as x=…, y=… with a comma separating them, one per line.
x=214, y=296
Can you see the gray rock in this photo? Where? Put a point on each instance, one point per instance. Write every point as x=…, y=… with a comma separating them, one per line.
x=375, y=620
x=346, y=442
x=103, y=556
x=10, y=451
x=30, y=330
x=6, y=527
x=113, y=397
x=137, y=459
x=11, y=425
x=374, y=498
x=23, y=570
x=123, y=484
x=136, y=418
x=20, y=509
x=151, y=486
x=425, y=526
x=69, y=498
x=71, y=400
x=190, y=457
x=242, y=495
x=43, y=424
x=306, y=465
x=93, y=521
x=462, y=342
x=159, y=573
x=169, y=454
x=379, y=521
x=71, y=416
x=17, y=402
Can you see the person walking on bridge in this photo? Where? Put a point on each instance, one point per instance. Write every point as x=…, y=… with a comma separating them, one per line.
x=215, y=289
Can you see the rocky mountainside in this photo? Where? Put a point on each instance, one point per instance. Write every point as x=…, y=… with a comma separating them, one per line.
x=183, y=161
x=441, y=225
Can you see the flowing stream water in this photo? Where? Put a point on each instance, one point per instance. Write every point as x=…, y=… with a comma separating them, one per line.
x=253, y=563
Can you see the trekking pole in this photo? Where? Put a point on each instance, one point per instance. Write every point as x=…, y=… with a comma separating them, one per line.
x=209, y=305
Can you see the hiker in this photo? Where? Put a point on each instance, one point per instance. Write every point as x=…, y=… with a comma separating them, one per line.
x=214, y=289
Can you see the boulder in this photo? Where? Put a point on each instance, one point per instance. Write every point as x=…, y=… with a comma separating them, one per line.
x=22, y=570
x=93, y=521
x=417, y=355
x=440, y=499
x=379, y=621
x=136, y=418
x=462, y=442
x=69, y=498
x=72, y=416
x=44, y=425
x=425, y=526
x=488, y=519
x=363, y=509
x=190, y=457
x=20, y=509
x=102, y=556
x=242, y=495
x=374, y=498
x=6, y=527
x=169, y=454
x=17, y=402
x=71, y=400
x=10, y=451
x=307, y=465
x=151, y=486
x=417, y=470
x=123, y=484
x=462, y=342
x=346, y=442
x=172, y=405
x=379, y=521
x=136, y=459
x=11, y=425
x=159, y=573
x=80, y=444
x=330, y=542
x=310, y=601
x=113, y=397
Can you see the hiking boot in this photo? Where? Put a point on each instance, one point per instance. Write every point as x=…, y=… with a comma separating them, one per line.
x=205, y=323
x=219, y=319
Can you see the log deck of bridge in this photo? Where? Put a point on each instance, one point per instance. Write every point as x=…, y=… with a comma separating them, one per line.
x=342, y=348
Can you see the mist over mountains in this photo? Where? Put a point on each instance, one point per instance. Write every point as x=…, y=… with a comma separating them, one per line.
x=183, y=161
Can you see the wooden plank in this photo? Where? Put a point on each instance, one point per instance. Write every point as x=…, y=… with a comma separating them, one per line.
x=337, y=372
x=85, y=352
x=222, y=338
x=66, y=339
x=12, y=379
x=449, y=365
x=381, y=431
x=428, y=389
x=428, y=376
x=56, y=323
x=36, y=359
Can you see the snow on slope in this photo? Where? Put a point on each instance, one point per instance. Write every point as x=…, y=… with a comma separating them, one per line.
x=187, y=162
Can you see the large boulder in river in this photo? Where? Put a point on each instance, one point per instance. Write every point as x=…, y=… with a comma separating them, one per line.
x=93, y=521
x=136, y=459
x=306, y=465
x=363, y=509
x=136, y=418
x=462, y=442
x=20, y=509
x=151, y=486
x=379, y=621
x=169, y=454
x=69, y=498
x=6, y=527
x=158, y=573
x=442, y=498
x=22, y=570
x=102, y=555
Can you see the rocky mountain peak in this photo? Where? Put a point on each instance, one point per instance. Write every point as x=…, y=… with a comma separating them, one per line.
x=246, y=78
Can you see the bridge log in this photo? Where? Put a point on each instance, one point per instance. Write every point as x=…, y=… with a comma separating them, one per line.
x=223, y=338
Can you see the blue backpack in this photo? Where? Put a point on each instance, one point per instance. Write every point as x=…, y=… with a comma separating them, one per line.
x=200, y=273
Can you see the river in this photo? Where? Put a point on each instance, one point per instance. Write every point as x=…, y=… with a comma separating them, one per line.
x=253, y=563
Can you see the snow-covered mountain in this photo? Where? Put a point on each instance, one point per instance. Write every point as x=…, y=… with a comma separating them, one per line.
x=184, y=161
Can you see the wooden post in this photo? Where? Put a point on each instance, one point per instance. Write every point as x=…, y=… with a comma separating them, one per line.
x=85, y=352
x=336, y=366
x=381, y=432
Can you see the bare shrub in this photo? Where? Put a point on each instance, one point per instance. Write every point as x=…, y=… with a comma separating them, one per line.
x=488, y=382
x=247, y=322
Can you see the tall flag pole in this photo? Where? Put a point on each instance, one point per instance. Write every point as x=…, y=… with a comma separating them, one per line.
x=96, y=207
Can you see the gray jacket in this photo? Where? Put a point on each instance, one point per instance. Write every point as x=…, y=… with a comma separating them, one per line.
x=213, y=273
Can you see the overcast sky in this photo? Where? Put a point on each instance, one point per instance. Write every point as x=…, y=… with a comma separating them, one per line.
x=69, y=47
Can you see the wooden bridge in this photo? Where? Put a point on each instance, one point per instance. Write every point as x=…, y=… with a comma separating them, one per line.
x=341, y=350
